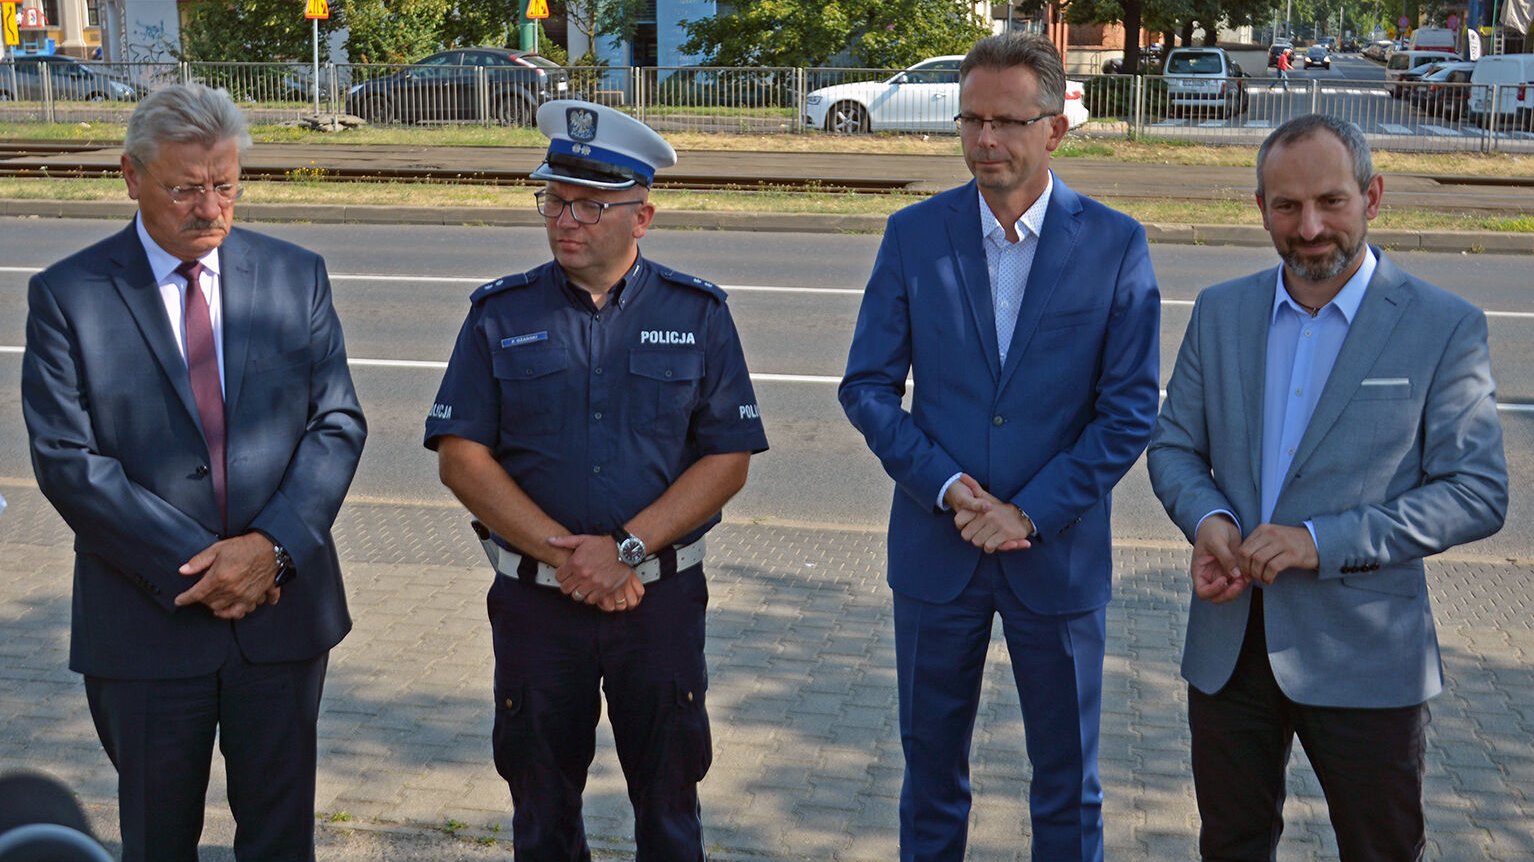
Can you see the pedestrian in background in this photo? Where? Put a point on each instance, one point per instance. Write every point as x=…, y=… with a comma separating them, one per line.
x=595, y=417
x=192, y=418
x=1284, y=65
x=1329, y=424
x=1028, y=317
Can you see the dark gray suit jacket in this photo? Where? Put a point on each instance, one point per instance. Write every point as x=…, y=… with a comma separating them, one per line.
x=118, y=450
x=1401, y=460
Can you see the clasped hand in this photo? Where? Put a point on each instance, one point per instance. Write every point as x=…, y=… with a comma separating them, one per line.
x=1224, y=566
x=984, y=521
x=594, y=575
x=238, y=575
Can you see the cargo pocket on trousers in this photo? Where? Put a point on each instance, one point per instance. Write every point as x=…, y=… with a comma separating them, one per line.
x=694, y=742
x=509, y=735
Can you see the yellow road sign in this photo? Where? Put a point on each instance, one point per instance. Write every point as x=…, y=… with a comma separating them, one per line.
x=317, y=9
x=8, y=23
x=537, y=9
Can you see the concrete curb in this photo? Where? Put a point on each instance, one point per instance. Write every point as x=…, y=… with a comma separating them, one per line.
x=1468, y=242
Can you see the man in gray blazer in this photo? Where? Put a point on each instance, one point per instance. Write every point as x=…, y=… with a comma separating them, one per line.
x=192, y=418
x=1328, y=425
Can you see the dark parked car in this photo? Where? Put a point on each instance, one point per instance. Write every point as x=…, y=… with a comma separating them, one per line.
x=1317, y=55
x=498, y=84
x=1445, y=91
x=69, y=80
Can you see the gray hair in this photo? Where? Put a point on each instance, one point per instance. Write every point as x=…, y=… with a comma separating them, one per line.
x=1007, y=50
x=1302, y=127
x=183, y=113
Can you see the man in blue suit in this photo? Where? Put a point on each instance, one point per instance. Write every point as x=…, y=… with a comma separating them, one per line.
x=192, y=418
x=1329, y=423
x=1027, y=317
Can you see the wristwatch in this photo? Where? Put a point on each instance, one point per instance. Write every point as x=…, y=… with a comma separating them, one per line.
x=631, y=549
x=285, y=570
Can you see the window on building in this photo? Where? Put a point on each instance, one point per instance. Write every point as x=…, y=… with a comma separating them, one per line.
x=51, y=12
x=93, y=13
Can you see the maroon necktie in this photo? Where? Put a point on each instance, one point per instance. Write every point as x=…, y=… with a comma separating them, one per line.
x=202, y=368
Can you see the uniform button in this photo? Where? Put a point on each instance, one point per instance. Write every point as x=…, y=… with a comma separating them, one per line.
x=668, y=372
x=527, y=371
x=597, y=469
x=689, y=697
x=510, y=704
x=201, y=471
x=998, y=421
x=597, y=415
x=597, y=370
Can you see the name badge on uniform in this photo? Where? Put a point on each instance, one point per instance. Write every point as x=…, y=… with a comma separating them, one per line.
x=529, y=338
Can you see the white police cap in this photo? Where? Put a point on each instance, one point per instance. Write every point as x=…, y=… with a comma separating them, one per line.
x=597, y=146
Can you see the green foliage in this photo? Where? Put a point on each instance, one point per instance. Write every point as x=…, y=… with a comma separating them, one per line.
x=879, y=33
x=394, y=31
x=725, y=89
x=1112, y=96
x=902, y=32
x=243, y=30
x=549, y=48
x=492, y=23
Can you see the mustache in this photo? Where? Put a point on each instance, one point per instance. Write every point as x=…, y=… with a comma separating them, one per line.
x=195, y=223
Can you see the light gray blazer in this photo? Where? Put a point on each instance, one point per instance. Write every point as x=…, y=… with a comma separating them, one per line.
x=1402, y=459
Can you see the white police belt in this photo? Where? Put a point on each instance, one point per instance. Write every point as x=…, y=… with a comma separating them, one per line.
x=651, y=569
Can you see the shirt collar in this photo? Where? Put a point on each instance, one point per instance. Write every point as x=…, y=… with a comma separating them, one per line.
x=161, y=262
x=1031, y=222
x=616, y=295
x=1347, y=300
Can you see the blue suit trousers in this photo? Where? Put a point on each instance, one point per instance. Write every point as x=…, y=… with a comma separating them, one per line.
x=1057, y=663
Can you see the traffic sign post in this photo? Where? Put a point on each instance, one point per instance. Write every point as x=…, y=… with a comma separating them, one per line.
x=9, y=24
x=537, y=10
x=315, y=11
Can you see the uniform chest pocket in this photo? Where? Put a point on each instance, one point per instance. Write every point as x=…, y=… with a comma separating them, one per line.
x=666, y=381
x=533, y=388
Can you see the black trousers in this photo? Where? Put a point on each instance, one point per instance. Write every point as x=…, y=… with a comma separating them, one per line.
x=159, y=734
x=1369, y=761
x=553, y=659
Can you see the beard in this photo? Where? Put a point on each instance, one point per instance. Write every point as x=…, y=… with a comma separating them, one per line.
x=1326, y=267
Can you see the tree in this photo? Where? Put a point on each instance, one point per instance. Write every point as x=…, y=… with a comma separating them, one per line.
x=878, y=33
x=241, y=30
x=394, y=31
x=616, y=20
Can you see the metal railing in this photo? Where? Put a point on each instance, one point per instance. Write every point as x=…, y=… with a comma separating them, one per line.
x=1421, y=117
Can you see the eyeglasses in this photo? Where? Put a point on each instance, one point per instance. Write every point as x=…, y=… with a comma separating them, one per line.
x=1000, y=125
x=227, y=193
x=583, y=210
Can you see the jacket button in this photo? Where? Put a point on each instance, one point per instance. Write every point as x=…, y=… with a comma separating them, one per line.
x=201, y=471
x=510, y=704
x=998, y=421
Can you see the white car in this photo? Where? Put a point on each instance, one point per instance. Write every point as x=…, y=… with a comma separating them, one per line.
x=922, y=98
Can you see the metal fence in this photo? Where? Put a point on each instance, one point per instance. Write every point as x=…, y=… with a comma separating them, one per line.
x=1417, y=116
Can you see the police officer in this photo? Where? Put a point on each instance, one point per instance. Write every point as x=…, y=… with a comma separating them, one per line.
x=595, y=417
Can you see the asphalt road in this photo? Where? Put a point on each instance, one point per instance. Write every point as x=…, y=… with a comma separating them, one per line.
x=401, y=293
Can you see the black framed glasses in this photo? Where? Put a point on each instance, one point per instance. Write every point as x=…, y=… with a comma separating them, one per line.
x=1000, y=125
x=583, y=210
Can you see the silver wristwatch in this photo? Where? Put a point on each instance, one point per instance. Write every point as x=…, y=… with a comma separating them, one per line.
x=631, y=549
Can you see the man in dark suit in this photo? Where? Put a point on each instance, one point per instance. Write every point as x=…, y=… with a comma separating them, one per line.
x=1330, y=423
x=1027, y=316
x=192, y=418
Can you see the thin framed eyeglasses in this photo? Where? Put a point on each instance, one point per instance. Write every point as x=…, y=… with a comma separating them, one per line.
x=1000, y=125
x=583, y=210
x=226, y=192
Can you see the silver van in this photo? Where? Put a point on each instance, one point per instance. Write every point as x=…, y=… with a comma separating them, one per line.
x=1503, y=88
x=1204, y=80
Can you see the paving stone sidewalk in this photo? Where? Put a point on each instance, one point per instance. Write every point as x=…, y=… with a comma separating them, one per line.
x=802, y=697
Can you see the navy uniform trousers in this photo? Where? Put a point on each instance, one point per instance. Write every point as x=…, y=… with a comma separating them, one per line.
x=551, y=657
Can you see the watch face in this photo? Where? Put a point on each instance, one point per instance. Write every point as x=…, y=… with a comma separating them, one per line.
x=631, y=551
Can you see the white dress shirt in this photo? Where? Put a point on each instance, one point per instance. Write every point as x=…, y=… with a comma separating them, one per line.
x=173, y=292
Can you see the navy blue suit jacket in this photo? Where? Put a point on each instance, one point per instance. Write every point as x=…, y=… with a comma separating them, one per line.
x=1052, y=431
x=118, y=449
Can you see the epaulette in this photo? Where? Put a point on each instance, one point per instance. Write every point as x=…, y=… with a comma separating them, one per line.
x=692, y=281
x=505, y=282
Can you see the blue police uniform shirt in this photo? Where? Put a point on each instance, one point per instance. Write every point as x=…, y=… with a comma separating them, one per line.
x=596, y=412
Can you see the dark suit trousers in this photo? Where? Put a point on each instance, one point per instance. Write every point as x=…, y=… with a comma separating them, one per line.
x=1057, y=663
x=1369, y=761
x=159, y=734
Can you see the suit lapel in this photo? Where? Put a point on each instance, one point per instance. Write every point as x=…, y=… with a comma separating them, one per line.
x=1251, y=347
x=1051, y=258
x=974, y=278
x=135, y=283
x=1378, y=314
x=237, y=283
